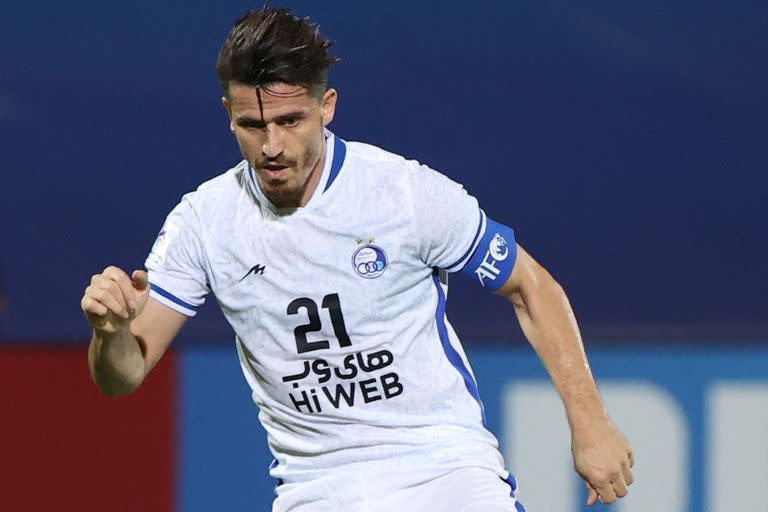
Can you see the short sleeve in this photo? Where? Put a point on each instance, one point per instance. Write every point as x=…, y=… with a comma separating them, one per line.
x=455, y=234
x=176, y=263
x=449, y=220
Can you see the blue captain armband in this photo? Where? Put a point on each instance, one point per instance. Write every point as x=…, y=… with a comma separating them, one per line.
x=494, y=259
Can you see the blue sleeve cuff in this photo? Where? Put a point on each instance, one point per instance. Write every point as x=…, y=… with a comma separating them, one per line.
x=172, y=301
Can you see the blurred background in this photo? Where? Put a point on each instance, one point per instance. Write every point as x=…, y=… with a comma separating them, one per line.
x=627, y=144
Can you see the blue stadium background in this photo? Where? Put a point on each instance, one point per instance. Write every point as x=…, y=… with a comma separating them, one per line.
x=626, y=143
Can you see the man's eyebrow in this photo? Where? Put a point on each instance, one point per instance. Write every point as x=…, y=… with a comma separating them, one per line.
x=298, y=114
x=249, y=121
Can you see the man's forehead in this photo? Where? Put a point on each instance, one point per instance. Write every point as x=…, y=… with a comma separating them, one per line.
x=270, y=96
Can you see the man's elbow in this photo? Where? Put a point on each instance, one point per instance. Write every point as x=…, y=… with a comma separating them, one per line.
x=114, y=391
x=114, y=387
x=529, y=281
x=542, y=279
x=538, y=284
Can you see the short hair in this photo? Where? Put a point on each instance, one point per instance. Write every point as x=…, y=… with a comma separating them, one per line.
x=273, y=45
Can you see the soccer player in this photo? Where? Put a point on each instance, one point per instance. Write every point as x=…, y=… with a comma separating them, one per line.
x=328, y=258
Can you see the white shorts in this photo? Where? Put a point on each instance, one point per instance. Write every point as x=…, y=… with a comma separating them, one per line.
x=462, y=490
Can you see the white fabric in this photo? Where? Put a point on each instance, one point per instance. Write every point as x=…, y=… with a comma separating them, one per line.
x=412, y=403
x=177, y=261
x=461, y=490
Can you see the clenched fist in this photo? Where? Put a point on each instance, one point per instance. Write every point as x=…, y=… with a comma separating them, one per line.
x=113, y=299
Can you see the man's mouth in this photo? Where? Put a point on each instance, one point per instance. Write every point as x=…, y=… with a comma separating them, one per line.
x=275, y=171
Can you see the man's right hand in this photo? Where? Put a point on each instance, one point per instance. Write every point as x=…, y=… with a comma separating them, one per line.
x=113, y=299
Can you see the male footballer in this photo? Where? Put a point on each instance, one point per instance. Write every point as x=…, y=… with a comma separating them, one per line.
x=329, y=260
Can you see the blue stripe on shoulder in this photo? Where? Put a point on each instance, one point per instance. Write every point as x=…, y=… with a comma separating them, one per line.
x=168, y=295
x=339, y=153
x=450, y=352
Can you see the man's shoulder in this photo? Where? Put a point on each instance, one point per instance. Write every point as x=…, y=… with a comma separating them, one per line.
x=370, y=160
x=230, y=181
x=374, y=161
x=221, y=188
x=362, y=153
x=370, y=153
x=213, y=198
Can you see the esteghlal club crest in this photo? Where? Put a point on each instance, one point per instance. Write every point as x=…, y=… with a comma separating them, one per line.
x=369, y=261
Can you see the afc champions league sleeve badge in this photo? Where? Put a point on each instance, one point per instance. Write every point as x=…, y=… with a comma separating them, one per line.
x=369, y=261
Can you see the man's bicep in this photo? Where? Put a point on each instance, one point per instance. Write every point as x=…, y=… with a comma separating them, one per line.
x=155, y=328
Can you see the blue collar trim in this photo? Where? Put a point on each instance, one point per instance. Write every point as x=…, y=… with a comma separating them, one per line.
x=339, y=153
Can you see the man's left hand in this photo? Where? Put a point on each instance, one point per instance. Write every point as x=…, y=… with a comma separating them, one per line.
x=603, y=458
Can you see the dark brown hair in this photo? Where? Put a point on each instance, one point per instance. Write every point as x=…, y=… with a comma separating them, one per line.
x=273, y=45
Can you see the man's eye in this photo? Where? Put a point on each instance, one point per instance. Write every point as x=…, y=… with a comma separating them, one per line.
x=290, y=121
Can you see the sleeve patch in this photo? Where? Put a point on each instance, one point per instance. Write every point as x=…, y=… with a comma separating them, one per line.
x=493, y=261
x=160, y=247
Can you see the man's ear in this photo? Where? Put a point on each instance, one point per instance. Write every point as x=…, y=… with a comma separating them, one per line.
x=329, y=106
x=228, y=107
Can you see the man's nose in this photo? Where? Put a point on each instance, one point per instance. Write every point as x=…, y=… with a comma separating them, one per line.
x=273, y=143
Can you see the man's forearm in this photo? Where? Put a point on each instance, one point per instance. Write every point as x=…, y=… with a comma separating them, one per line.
x=602, y=455
x=548, y=322
x=116, y=362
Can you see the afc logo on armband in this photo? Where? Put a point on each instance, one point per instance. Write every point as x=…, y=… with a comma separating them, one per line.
x=498, y=251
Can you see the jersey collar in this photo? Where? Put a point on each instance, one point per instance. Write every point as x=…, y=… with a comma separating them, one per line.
x=335, y=153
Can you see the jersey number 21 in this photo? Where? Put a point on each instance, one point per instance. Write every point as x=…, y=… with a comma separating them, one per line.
x=331, y=303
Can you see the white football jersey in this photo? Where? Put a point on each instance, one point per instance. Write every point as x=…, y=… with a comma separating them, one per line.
x=339, y=310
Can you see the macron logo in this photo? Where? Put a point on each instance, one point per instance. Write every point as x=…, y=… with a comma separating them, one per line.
x=256, y=269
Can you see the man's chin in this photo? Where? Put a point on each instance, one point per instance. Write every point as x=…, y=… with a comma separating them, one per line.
x=275, y=185
x=281, y=194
